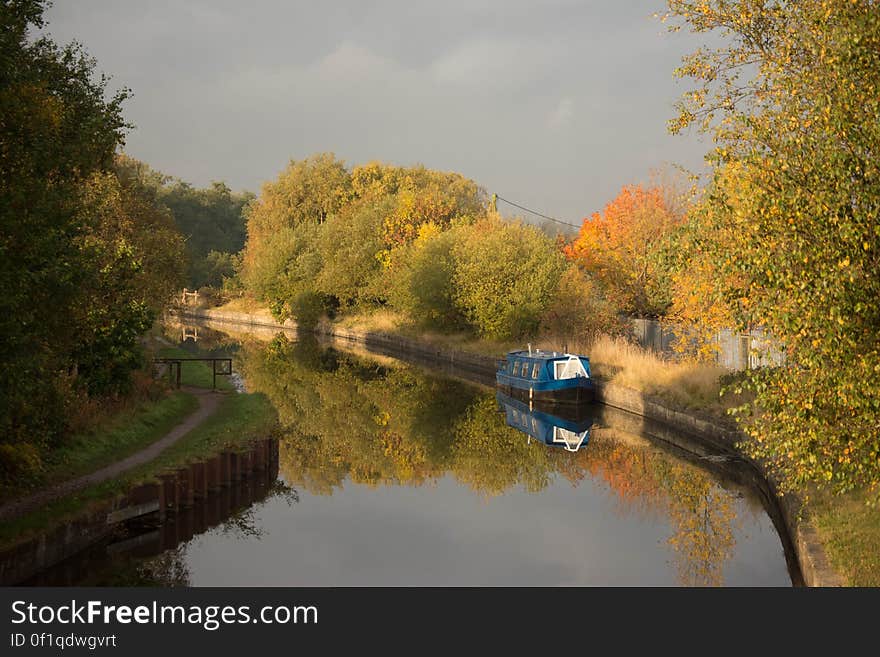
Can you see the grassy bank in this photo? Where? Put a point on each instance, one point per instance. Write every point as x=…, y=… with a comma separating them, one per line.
x=195, y=373
x=114, y=437
x=240, y=419
x=850, y=531
x=126, y=433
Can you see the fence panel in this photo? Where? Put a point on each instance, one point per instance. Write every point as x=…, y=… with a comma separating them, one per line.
x=734, y=350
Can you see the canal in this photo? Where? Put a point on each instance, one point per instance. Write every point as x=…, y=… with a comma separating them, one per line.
x=389, y=473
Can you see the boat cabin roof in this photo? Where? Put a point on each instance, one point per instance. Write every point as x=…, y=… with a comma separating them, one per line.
x=540, y=355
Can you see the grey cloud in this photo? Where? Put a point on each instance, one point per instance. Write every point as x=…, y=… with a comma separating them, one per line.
x=554, y=103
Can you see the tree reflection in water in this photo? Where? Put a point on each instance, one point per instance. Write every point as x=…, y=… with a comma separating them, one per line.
x=385, y=423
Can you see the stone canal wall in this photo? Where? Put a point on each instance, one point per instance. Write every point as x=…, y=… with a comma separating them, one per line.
x=716, y=435
x=254, y=318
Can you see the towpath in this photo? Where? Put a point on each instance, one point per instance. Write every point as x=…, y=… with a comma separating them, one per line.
x=208, y=403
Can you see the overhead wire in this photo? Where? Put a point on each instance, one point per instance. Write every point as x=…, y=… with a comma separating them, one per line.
x=537, y=214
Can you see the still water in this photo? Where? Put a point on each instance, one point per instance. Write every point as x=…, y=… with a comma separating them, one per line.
x=391, y=474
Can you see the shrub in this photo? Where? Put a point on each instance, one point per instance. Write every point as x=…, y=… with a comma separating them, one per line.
x=505, y=277
x=422, y=281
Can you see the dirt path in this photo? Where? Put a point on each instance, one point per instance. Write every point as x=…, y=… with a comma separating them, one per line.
x=208, y=403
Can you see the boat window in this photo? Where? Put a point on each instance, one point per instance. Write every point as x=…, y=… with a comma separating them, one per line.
x=568, y=369
x=535, y=370
x=525, y=369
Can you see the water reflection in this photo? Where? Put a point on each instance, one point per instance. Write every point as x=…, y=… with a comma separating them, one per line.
x=404, y=477
x=356, y=420
x=554, y=426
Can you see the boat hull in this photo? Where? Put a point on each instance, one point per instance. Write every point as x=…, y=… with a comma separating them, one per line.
x=580, y=391
x=576, y=418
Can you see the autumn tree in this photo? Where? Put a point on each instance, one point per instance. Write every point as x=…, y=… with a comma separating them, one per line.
x=349, y=243
x=578, y=312
x=86, y=256
x=425, y=196
x=57, y=129
x=619, y=248
x=792, y=99
x=707, y=294
x=505, y=277
x=135, y=264
x=281, y=259
x=323, y=238
x=422, y=280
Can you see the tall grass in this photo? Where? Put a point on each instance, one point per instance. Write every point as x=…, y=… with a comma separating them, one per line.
x=686, y=383
x=382, y=320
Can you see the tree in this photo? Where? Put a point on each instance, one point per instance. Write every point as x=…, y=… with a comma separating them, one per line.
x=349, y=243
x=134, y=263
x=578, y=312
x=321, y=238
x=426, y=196
x=708, y=295
x=57, y=130
x=214, y=270
x=793, y=99
x=87, y=254
x=505, y=277
x=619, y=248
x=422, y=281
x=281, y=259
x=212, y=219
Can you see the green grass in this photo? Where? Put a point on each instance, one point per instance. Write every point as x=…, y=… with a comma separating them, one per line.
x=240, y=419
x=850, y=531
x=195, y=373
x=128, y=432
x=125, y=432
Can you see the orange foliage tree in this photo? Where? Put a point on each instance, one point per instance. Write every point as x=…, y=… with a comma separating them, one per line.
x=620, y=248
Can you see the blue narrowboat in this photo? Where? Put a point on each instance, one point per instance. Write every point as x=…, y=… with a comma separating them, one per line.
x=546, y=376
x=570, y=432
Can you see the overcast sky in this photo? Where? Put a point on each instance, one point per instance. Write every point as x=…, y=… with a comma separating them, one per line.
x=554, y=104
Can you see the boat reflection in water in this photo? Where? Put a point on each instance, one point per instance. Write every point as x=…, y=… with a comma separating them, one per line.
x=568, y=428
